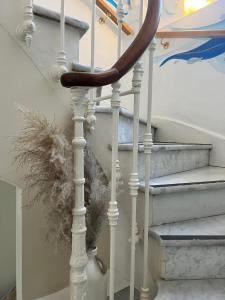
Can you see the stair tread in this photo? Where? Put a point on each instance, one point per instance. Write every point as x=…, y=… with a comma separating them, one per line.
x=210, y=228
x=55, y=16
x=84, y=68
x=196, y=176
x=167, y=147
x=210, y=289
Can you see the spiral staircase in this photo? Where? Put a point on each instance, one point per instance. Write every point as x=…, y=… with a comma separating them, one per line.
x=178, y=196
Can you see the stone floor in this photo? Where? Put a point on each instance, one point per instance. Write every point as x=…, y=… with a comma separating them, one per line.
x=124, y=295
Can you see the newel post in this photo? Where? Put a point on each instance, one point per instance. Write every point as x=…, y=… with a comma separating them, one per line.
x=78, y=261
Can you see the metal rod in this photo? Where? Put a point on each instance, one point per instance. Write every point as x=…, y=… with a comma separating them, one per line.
x=107, y=97
x=148, y=144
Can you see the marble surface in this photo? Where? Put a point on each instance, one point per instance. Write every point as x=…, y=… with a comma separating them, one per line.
x=192, y=249
x=125, y=132
x=55, y=16
x=169, y=162
x=193, y=262
x=206, y=174
x=191, y=290
x=84, y=68
x=205, y=226
x=199, y=179
x=188, y=204
x=170, y=158
x=166, y=147
x=123, y=112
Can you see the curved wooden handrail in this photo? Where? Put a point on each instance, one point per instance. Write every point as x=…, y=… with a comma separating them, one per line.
x=191, y=34
x=126, y=61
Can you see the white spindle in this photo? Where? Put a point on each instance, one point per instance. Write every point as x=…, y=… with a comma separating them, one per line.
x=113, y=212
x=61, y=66
x=148, y=144
x=134, y=178
x=120, y=20
x=78, y=261
x=27, y=28
x=91, y=119
x=93, y=31
x=141, y=10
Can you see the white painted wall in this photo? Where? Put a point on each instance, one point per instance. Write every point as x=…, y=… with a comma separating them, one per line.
x=45, y=270
x=190, y=97
x=7, y=237
x=24, y=78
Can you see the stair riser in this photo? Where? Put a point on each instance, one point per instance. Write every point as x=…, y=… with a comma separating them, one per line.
x=194, y=262
x=175, y=207
x=169, y=162
x=191, y=289
x=126, y=131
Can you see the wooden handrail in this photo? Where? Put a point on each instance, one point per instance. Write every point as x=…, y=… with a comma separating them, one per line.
x=127, y=60
x=191, y=34
x=108, y=10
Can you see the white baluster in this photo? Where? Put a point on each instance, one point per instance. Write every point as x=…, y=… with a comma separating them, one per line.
x=134, y=178
x=91, y=119
x=120, y=20
x=61, y=66
x=26, y=30
x=113, y=213
x=78, y=261
x=148, y=144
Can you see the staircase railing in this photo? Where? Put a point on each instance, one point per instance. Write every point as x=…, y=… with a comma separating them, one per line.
x=218, y=33
x=80, y=83
x=126, y=61
x=111, y=14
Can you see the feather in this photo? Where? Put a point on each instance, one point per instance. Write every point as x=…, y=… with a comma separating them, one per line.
x=47, y=153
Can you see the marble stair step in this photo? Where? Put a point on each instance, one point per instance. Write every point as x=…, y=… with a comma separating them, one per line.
x=169, y=158
x=125, y=134
x=191, y=290
x=187, y=195
x=191, y=250
x=52, y=15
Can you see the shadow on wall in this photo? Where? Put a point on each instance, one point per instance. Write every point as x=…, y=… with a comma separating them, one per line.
x=7, y=241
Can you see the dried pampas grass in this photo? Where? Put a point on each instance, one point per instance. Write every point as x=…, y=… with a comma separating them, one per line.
x=46, y=152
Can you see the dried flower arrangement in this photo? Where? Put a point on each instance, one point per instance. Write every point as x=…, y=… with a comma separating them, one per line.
x=46, y=152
